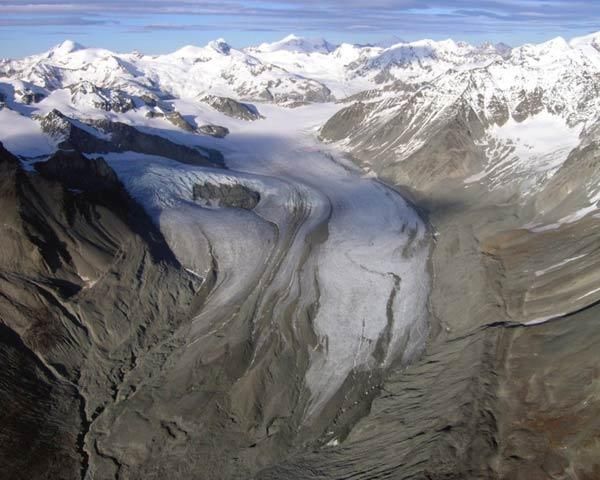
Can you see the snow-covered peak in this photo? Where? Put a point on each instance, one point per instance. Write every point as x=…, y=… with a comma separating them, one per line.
x=556, y=44
x=548, y=50
x=297, y=69
x=501, y=49
x=349, y=52
x=67, y=47
x=420, y=49
x=421, y=59
x=220, y=45
x=190, y=72
x=589, y=46
x=293, y=43
x=552, y=53
x=389, y=41
x=189, y=51
x=591, y=39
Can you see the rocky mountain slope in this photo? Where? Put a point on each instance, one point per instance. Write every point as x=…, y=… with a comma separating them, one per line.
x=502, y=158
x=301, y=260
x=80, y=307
x=511, y=123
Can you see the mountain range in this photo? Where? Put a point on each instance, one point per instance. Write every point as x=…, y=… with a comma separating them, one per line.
x=301, y=260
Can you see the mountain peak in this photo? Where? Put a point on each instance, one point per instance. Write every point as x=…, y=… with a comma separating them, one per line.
x=220, y=45
x=555, y=43
x=290, y=38
x=591, y=39
x=559, y=42
x=294, y=43
x=501, y=49
x=66, y=47
x=389, y=41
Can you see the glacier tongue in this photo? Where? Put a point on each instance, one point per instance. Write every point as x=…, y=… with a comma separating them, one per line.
x=321, y=234
x=371, y=269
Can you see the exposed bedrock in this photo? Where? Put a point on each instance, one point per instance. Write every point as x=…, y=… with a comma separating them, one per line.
x=216, y=131
x=233, y=108
x=101, y=98
x=79, y=311
x=234, y=196
x=78, y=172
x=103, y=136
x=179, y=121
x=404, y=152
x=40, y=415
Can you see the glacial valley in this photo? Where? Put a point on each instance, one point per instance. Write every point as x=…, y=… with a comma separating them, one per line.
x=301, y=260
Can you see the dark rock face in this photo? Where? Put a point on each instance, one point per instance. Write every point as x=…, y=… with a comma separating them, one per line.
x=554, y=367
x=153, y=114
x=79, y=172
x=149, y=100
x=80, y=310
x=233, y=108
x=176, y=119
x=498, y=111
x=447, y=151
x=531, y=103
x=30, y=97
x=40, y=415
x=91, y=138
x=343, y=122
x=530, y=268
x=214, y=130
x=234, y=196
x=127, y=138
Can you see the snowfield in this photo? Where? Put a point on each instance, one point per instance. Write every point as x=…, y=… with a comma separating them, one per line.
x=530, y=151
x=23, y=135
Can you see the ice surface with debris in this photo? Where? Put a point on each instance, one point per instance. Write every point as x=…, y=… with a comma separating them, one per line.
x=371, y=267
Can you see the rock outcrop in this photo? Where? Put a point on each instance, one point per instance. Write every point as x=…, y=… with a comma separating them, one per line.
x=29, y=97
x=177, y=119
x=103, y=136
x=225, y=195
x=216, y=131
x=75, y=171
x=110, y=100
x=233, y=108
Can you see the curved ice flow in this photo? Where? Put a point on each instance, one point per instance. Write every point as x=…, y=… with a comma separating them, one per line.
x=321, y=235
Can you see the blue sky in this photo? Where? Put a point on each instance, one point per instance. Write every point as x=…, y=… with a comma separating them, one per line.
x=156, y=26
